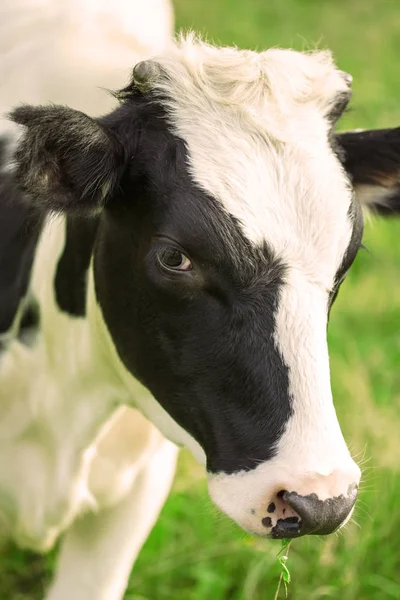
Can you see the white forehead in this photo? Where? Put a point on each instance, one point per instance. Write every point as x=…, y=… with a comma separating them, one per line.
x=256, y=129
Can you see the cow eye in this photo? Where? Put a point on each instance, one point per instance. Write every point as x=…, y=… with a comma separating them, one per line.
x=174, y=260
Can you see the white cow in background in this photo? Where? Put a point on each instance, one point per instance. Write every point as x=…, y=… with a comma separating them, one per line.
x=69, y=51
x=72, y=52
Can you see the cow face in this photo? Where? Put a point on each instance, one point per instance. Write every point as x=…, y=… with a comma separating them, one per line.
x=226, y=225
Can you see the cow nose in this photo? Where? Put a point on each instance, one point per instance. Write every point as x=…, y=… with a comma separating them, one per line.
x=312, y=515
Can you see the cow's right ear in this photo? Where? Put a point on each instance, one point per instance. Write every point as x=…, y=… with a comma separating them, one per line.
x=65, y=160
x=372, y=161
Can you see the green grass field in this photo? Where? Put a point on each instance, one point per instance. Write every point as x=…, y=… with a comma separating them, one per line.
x=195, y=554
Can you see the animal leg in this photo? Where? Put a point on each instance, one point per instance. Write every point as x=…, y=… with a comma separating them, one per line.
x=99, y=550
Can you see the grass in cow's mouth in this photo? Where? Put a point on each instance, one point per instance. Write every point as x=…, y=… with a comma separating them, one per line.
x=285, y=573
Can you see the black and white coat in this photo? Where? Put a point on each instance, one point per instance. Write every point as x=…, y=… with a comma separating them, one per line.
x=187, y=249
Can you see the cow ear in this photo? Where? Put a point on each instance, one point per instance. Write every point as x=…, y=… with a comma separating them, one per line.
x=65, y=160
x=372, y=161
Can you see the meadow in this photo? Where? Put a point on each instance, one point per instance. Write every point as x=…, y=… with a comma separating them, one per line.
x=195, y=553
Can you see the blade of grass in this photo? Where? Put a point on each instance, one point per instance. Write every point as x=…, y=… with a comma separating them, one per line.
x=285, y=574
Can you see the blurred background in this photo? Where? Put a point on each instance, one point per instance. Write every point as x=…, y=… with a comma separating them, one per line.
x=196, y=554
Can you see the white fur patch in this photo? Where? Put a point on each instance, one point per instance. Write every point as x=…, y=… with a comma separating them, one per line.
x=256, y=130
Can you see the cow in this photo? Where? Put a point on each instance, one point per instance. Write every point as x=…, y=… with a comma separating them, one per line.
x=181, y=257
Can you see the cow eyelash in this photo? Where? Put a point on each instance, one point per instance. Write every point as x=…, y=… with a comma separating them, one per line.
x=173, y=259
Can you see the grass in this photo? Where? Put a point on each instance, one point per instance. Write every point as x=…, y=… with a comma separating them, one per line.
x=284, y=577
x=194, y=554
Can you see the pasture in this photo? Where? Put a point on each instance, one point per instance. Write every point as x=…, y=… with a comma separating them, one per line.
x=196, y=554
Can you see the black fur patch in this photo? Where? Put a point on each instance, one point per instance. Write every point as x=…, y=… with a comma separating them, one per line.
x=73, y=266
x=30, y=323
x=20, y=226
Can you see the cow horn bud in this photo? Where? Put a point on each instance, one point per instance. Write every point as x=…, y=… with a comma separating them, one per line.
x=144, y=72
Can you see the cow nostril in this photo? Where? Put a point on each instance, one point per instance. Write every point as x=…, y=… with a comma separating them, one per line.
x=290, y=527
x=321, y=517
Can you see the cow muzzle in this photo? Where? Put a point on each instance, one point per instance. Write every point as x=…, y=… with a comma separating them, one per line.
x=268, y=504
x=312, y=516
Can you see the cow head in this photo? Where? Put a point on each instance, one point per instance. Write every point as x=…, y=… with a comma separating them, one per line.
x=227, y=222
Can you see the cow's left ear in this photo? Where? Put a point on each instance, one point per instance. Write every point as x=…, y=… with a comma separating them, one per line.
x=372, y=161
x=65, y=160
